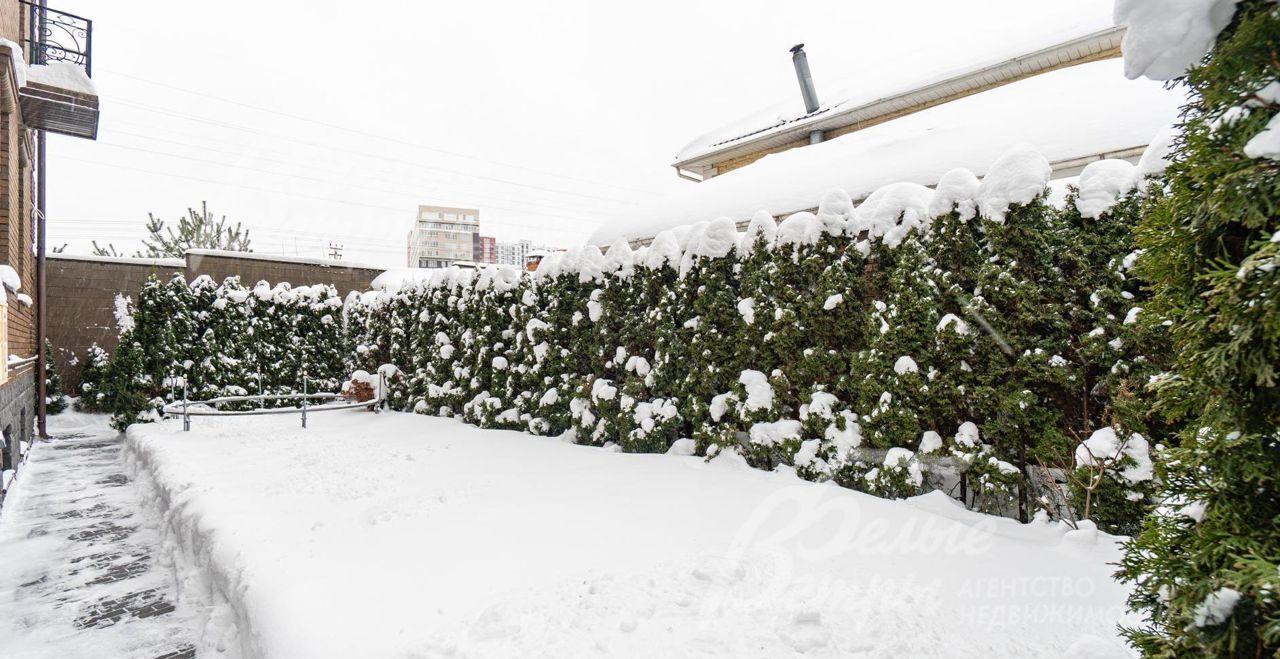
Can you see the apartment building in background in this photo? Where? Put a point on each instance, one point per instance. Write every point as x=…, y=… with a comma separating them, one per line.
x=486, y=250
x=517, y=253
x=442, y=235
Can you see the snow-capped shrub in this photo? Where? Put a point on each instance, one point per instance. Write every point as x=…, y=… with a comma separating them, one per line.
x=91, y=375
x=898, y=476
x=991, y=482
x=749, y=417
x=223, y=340
x=1113, y=480
x=55, y=399
x=830, y=433
x=1206, y=586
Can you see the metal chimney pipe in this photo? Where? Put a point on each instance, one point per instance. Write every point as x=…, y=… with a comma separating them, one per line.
x=801, y=62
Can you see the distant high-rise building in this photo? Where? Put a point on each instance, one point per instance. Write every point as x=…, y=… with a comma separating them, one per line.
x=486, y=250
x=515, y=253
x=442, y=235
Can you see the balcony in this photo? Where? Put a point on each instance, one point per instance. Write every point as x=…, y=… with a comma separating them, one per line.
x=58, y=95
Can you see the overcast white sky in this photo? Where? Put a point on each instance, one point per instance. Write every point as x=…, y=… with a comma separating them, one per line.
x=312, y=122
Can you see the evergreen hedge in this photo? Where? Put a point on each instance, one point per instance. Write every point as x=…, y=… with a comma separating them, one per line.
x=891, y=348
x=217, y=340
x=970, y=339
x=1206, y=567
x=55, y=399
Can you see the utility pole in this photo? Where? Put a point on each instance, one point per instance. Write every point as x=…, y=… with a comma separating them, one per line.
x=335, y=251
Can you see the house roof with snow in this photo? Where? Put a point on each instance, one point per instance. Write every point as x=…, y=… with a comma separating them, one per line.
x=1073, y=116
x=1063, y=34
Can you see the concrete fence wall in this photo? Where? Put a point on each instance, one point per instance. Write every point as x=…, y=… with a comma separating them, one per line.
x=82, y=291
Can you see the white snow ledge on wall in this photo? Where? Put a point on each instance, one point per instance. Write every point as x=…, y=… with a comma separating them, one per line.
x=127, y=260
x=1072, y=113
x=279, y=258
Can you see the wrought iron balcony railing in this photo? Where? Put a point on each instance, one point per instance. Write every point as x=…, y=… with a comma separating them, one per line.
x=51, y=100
x=57, y=36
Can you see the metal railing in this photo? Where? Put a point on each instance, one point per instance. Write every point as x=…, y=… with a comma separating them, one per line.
x=58, y=36
x=187, y=408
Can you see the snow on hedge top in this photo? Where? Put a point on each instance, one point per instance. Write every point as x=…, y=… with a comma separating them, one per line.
x=893, y=211
x=800, y=228
x=620, y=259
x=664, y=250
x=1070, y=113
x=1156, y=157
x=1167, y=37
x=589, y=263
x=501, y=277
x=396, y=279
x=956, y=190
x=835, y=211
x=717, y=239
x=1018, y=177
x=1102, y=183
x=712, y=239
x=762, y=224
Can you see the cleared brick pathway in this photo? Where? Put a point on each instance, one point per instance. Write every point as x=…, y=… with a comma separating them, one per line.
x=81, y=574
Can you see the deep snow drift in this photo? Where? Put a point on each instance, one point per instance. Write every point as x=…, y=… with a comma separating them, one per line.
x=398, y=535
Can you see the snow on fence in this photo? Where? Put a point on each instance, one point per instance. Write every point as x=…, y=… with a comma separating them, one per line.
x=186, y=408
x=189, y=408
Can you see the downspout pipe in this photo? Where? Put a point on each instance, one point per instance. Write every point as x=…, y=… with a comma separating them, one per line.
x=42, y=365
x=801, y=63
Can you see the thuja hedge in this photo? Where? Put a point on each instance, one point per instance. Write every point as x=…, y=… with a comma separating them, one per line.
x=889, y=348
x=217, y=340
x=1205, y=569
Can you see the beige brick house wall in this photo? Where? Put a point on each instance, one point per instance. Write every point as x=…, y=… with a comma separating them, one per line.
x=17, y=203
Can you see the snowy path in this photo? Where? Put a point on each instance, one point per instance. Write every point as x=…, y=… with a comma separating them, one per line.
x=80, y=574
x=399, y=535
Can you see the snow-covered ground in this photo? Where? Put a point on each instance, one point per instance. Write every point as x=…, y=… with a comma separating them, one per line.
x=397, y=535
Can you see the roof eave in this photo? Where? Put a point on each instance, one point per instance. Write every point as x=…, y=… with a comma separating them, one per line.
x=1103, y=44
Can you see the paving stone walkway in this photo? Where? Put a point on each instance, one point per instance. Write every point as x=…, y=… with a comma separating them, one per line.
x=81, y=574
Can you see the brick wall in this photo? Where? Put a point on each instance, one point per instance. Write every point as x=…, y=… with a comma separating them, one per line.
x=251, y=270
x=81, y=303
x=82, y=291
x=11, y=21
x=16, y=214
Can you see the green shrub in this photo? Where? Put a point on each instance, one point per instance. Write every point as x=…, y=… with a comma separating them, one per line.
x=1204, y=569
